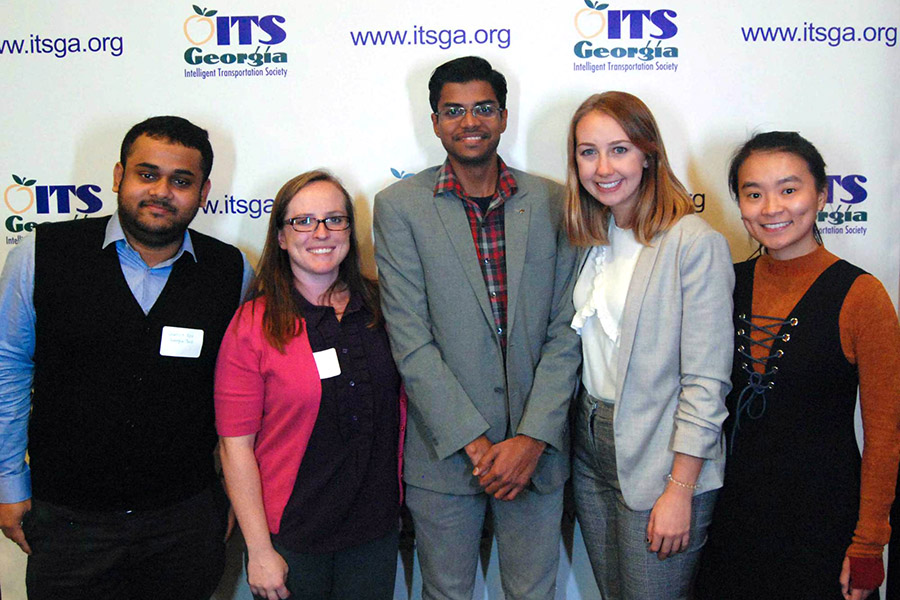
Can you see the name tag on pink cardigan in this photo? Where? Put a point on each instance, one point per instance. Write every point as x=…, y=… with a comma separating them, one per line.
x=327, y=363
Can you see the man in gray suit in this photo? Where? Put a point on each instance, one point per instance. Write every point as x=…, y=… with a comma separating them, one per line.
x=476, y=278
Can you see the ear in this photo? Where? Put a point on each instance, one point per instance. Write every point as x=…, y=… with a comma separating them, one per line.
x=503, y=115
x=204, y=192
x=822, y=199
x=434, y=124
x=118, y=173
x=282, y=242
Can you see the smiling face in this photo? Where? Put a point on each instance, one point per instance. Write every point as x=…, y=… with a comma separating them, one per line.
x=315, y=256
x=160, y=189
x=470, y=140
x=779, y=203
x=610, y=167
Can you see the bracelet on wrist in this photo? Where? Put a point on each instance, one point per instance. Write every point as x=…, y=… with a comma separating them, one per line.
x=688, y=486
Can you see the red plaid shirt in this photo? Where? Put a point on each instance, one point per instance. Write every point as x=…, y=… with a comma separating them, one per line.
x=488, y=235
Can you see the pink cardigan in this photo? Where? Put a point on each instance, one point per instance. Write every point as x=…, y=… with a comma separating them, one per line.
x=276, y=397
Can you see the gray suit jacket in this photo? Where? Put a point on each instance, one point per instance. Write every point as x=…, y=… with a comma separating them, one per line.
x=442, y=329
x=675, y=356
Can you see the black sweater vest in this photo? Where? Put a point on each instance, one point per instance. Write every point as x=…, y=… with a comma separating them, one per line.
x=115, y=425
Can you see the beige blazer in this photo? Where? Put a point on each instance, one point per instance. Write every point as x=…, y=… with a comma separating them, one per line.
x=675, y=355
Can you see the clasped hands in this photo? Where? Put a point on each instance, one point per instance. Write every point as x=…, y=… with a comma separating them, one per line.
x=505, y=468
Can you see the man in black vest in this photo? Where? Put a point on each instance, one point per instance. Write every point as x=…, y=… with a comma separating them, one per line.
x=110, y=338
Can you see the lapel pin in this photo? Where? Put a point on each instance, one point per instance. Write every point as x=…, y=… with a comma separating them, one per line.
x=521, y=211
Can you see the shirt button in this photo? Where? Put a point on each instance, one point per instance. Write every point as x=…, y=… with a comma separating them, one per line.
x=352, y=384
x=499, y=331
x=487, y=261
x=493, y=294
x=344, y=351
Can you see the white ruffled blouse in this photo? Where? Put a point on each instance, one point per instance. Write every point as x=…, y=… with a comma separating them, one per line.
x=599, y=297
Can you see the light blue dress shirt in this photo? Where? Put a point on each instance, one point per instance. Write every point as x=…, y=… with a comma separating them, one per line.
x=17, y=340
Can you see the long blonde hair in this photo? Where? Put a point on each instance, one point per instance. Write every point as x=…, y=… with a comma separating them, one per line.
x=662, y=199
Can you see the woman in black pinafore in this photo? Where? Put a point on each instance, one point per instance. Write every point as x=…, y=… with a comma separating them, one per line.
x=801, y=515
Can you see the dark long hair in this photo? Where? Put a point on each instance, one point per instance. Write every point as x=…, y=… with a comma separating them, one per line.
x=274, y=280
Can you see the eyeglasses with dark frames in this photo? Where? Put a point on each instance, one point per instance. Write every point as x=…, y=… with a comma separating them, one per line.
x=309, y=224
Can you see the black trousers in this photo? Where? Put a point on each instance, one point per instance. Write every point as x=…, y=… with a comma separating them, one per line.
x=173, y=552
x=364, y=572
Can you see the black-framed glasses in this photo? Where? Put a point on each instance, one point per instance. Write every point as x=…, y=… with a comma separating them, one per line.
x=485, y=110
x=309, y=224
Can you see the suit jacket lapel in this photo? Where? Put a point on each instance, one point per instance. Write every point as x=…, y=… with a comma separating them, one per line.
x=637, y=289
x=581, y=259
x=516, y=221
x=453, y=215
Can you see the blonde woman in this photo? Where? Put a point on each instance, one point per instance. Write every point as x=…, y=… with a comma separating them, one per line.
x=653, y=308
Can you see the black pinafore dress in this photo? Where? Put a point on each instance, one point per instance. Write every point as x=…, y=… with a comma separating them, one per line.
x=790, y=500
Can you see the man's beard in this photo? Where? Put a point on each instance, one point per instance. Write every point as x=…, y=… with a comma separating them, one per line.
x=154, y=236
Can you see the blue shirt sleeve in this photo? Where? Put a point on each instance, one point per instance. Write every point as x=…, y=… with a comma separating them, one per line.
x=17, y=338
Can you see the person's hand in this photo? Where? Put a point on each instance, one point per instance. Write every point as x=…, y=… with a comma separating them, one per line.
x=668, y=531
x=11, y=516
x=851, y=593
x=267, y=574
x=477, y=448
x=506, y=468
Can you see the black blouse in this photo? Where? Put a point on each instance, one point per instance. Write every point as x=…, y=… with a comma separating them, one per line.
x=347, y=490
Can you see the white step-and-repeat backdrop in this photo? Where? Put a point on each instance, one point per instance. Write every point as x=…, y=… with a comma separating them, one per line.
x=287, y=86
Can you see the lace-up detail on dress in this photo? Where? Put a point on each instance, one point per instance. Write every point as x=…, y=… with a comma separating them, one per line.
x=752, y=399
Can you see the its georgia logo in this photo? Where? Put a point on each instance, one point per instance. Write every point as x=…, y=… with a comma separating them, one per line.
x=199, y=28
x=19, y=197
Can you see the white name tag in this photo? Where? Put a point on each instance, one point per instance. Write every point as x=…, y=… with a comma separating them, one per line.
x=181, y=342
x=327, y=363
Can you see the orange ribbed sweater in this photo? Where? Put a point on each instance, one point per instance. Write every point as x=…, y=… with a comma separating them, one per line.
x=870, y=339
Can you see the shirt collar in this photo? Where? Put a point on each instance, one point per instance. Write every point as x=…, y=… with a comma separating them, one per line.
x=314, y=313
x=447, y=181
x=115, y=234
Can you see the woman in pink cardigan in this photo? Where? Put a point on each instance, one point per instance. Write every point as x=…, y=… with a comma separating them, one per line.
x=309, y=409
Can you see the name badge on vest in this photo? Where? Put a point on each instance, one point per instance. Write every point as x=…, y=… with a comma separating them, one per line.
x=181, y=342
x=327, y=363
